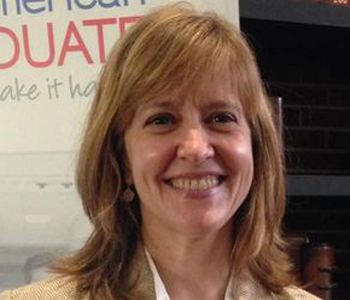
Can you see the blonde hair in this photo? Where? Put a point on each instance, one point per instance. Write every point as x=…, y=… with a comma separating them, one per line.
x=171, y=49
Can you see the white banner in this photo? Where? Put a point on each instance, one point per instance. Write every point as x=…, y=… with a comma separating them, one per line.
x=50, y=54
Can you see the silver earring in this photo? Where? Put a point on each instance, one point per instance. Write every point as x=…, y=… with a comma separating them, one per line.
x=128, y=195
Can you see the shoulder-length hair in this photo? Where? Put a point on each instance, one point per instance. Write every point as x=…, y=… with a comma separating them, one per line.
x=172, y=48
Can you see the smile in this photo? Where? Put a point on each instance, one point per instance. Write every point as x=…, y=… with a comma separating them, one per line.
x=198, y=184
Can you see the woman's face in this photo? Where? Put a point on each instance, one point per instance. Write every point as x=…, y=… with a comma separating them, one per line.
x=191, y=159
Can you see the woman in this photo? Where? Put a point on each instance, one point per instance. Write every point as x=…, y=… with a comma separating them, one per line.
x=180, y=172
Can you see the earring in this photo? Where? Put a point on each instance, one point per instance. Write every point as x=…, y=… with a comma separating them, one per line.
x=128, y=195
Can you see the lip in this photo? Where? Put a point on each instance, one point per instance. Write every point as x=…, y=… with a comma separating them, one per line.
x=196, y=194
x=195, y=175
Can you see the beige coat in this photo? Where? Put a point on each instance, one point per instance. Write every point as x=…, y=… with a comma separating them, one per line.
x=57, y=288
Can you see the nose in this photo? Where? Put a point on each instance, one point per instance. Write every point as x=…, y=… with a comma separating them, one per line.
x=194, y=145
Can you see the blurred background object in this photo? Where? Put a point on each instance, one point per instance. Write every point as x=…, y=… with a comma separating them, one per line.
x=302, y=49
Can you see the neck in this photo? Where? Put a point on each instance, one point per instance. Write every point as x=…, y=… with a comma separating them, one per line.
x=192, y=267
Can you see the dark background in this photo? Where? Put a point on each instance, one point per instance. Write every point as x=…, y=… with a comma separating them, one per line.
x=303, y=51
x=300, y=11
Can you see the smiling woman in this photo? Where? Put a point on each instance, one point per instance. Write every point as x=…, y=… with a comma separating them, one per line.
x=180, y=172
x=191, y=164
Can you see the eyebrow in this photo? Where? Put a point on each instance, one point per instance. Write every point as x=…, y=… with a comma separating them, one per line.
x=222, y=104
x=212, y=104
x=158, y=104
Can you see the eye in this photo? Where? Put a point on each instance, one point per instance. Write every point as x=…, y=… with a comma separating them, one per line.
x=222, y=118
x=163, y=119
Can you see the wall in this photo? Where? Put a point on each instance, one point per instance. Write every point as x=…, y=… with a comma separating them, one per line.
x=309, y=72
x=320, y=12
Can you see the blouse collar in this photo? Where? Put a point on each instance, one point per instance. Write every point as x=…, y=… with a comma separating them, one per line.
x=159, y=287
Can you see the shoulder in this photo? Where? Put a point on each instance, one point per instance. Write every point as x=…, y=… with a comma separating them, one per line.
x=252, y=289
x=55, y=288
x=299, y=294
x=249, y=288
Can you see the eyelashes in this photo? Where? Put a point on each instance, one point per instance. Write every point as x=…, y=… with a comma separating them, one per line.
x=165, y=120
x=162, y=119
x=222, y=118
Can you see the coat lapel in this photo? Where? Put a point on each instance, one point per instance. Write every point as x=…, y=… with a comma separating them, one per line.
x=141, y=281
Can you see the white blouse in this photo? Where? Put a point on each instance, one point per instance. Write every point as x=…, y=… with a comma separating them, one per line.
x=160, y=290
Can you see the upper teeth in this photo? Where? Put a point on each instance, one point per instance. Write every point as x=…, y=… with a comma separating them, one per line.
x=195, y=184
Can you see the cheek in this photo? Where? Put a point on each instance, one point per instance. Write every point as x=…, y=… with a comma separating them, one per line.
x=239, y=161
x=148, y=158
x=244, y=155
x=245, y=166
x=239, y=155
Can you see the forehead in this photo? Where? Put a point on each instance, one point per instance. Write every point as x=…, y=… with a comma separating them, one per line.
x=212, y=88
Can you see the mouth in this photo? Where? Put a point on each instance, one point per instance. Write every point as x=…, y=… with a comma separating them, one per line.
x=196, y=184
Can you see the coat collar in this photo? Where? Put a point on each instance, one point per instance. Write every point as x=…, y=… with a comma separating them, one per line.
x=142, y=283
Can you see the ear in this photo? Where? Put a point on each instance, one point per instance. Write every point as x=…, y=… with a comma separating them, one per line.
x=128, y=174
x=125, y=162
x=128, y=179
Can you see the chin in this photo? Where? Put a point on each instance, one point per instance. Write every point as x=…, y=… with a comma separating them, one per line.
x=204, y=225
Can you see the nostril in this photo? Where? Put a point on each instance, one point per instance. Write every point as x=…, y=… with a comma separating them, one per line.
x=195, y=151
x=194, y=145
